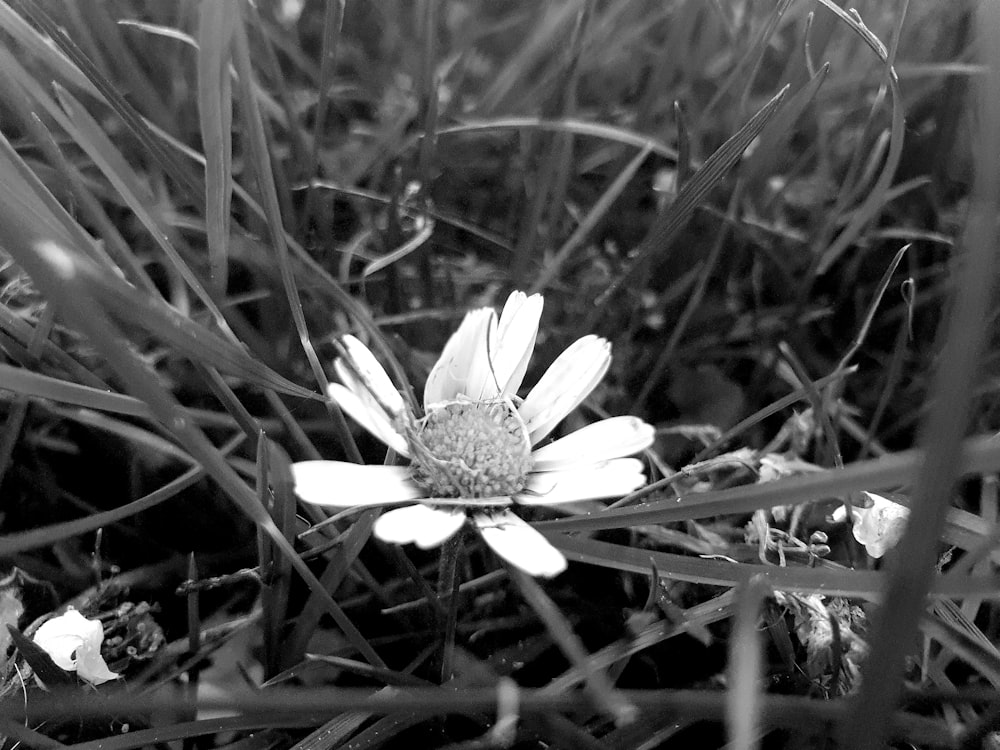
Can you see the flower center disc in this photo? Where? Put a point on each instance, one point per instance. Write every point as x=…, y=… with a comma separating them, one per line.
x=474, y=449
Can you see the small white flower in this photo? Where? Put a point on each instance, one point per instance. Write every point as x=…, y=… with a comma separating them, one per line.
x=878, y=527
x=473, y=452
x=74, y=644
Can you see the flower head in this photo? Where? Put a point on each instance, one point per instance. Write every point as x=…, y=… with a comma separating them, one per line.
x=74, y=644
x=476, y=450
x=878, y=527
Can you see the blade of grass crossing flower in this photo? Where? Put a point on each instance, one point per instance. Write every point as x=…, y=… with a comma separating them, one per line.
x=950, y=402
x=602, y=692
x=677, y=214
x=260, y=160
x=746, y=666
x=215, y=117
x=55, y=272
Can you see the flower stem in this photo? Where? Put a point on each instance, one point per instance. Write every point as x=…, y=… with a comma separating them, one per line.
x=448, y=595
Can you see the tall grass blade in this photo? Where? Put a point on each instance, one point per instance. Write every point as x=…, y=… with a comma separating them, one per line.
x=215, y=116
x=676, y=215
x=832, y=581
x=132, y=119
x=746, y=667
x=954, y=382
x=876, y=196
x=260, y=159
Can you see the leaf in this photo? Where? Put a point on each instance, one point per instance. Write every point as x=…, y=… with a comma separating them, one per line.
x=39, y=660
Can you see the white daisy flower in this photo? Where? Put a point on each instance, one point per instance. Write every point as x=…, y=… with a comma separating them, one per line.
x=878, y=527
x=475, y=452
x=74, y=644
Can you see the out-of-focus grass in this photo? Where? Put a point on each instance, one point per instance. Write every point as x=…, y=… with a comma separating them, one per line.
x=721, y=189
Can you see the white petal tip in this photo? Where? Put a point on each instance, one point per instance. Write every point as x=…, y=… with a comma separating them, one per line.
x=520, y=545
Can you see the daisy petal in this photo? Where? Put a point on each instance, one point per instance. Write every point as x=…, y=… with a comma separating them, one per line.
x=450, y=375
x=613, y=478
x=426, y=527
x=369, y=415
x=610, y=438
x=374, y=379
x=520, y=545
x=343, y=484
x=567, y=382
x=516, y=334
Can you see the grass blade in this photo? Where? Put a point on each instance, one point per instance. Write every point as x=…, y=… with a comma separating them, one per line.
x=215, y=116
x=863, y=584
x=941, y=434
x=976, y=455
x=260, y=159
x=676, y=215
